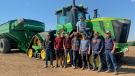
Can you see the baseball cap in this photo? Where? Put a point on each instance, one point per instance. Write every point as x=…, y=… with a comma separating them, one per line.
x=67, y=32
x=48, y=34
x=96, y=32
x=75, y=34
x=81, y=17
x=108, y=31
x=58, y=32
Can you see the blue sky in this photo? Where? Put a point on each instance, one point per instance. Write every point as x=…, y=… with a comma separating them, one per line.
x=44, y=10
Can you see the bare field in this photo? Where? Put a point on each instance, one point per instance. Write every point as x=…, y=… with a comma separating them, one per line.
x=16, y=63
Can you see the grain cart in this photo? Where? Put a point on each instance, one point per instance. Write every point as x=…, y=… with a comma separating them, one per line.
x=67, y=18
x=18, y=33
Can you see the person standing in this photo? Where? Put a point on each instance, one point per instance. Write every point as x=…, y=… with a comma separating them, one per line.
x=85, y=51
x=63, y=37
x=48, y=47
x=67, y=48
x=81, y=27
x=97, y=47
x=58, y=49
x=110, y=45
x=75, y=47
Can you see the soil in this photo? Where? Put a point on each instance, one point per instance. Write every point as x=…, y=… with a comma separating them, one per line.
x=16, y=63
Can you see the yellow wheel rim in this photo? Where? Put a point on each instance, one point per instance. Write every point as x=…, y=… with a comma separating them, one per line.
x=96, y=60
x=68, y=58
x=30, y=52
x=43, y=54
x=36, y=42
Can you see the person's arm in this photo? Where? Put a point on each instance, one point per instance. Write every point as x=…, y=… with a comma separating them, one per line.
x=102, y=45
x=64, y=44
x=77, y=27
x=84, y=26
x=44, y=44
x=72, y=44
x=89, y=47
x=114, y=43
x=80, y=48
x=55, y=44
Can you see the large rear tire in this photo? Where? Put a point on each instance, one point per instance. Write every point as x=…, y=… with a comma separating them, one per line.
x=5, y=45
x=119, y=56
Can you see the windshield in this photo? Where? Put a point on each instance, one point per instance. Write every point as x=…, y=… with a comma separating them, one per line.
x=64, y=19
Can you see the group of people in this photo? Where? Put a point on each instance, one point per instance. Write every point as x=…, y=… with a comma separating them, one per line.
x=64, y=45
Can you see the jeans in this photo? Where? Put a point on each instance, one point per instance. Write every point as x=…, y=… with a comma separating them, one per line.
x=85, y=57
x=70, y=53
x=111, y=57
x=84, y=31
x=94, y=55
x=48, y=52
x=76, y=58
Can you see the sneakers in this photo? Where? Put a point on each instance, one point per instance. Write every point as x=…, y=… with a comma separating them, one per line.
x=45, y=66
x=88, y=69
x=115, y=73
x=61, y=66
x=108, y=71
x=74, y=67
x=51, y=66
x=82, y=69
x=93, y=69
x=56, y=66
x=65, y=66
x=98, y=71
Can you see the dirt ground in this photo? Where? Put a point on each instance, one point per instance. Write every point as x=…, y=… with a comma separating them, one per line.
x=17, y=63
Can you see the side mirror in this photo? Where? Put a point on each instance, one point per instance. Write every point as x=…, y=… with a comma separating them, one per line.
x=64, y=11
x=88, y=16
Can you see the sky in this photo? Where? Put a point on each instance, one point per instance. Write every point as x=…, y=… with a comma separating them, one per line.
x=44, y=10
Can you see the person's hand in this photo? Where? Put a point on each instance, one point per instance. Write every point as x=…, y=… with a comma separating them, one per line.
x=104, y=52
x=54, y=48
x=80, y=28
x=99, y=51
x=77, y=32
x=92, y=51
x=79, y=52
x=88, y=52
x=112, y=52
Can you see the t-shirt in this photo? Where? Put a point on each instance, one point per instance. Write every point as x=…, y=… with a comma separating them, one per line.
x=81, y=24
x=76, y=44
x=97, y=44
x=67, y=43
x=109, y=43
x=58, y=42
x=85, y=44
x=48, y=44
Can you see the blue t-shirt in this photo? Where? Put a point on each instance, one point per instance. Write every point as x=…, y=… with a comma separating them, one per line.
x=109, y=43
x=97, y=44
x=85, y=44
x=81, y=24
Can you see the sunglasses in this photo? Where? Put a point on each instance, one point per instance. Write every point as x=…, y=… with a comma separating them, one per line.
x=107, y=33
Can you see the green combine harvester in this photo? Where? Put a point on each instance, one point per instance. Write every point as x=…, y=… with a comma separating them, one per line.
x=28, y=35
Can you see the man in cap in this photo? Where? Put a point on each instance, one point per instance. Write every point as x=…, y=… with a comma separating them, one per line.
x=97, y=47
x=110, y=45
x=48, y=47
x=85, y=51
x=63, y=37
x=75, y=47
x=58, y=49
x=81, y=27
x=67, y=48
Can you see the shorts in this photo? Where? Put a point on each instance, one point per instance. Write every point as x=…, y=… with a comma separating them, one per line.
x=59, y=52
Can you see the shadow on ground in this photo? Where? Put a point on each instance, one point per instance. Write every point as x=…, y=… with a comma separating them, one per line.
x=16, y=51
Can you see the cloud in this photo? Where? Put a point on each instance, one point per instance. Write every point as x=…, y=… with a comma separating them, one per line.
x=132, y=0
x=28, y=4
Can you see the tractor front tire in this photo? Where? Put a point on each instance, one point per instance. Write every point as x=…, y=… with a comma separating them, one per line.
x=5, y=45
x=119, y=56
